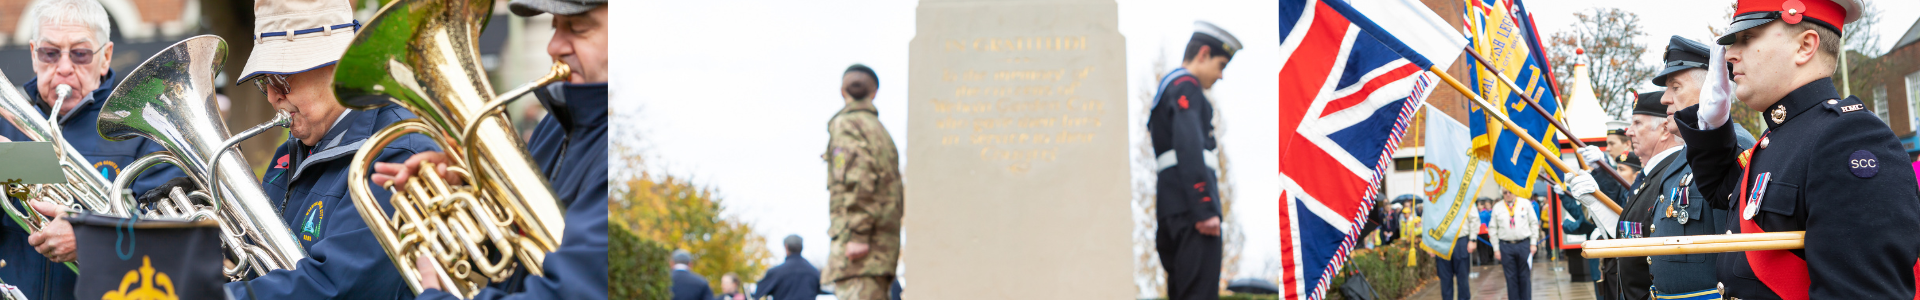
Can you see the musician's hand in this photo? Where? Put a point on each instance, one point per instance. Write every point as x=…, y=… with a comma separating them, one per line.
x=429, y=280
x=55, y=239
x=399, y=173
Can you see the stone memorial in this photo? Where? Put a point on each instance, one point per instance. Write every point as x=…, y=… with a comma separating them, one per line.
x=1017, y=180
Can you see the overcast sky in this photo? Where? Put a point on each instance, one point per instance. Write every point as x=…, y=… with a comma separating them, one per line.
x=736, y=94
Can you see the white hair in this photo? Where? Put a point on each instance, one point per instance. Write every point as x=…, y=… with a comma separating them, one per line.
x=88, y=12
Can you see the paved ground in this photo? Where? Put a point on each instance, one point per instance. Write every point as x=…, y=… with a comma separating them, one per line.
x=1550, y=282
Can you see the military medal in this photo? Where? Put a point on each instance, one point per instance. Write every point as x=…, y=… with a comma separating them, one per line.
x=1673, y=206
x=1680, y=193
x=1753, y=198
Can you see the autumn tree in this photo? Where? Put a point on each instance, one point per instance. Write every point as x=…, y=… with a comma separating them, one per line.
x=676, y=212
x=1605, y=39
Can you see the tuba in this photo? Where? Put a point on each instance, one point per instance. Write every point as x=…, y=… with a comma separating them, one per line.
x=168, y=99
x=422, y=55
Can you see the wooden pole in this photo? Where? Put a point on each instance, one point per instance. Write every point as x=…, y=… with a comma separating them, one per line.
x=1543, y=114
x=1695, y=244
x=1493, y=111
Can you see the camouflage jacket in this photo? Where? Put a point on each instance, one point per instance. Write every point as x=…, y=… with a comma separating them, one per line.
x=863, y=177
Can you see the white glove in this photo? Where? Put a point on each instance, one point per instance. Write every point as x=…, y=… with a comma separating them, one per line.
x=1603, y=217
x=1716, y=95
x=1593, y=155
x=1579, y=183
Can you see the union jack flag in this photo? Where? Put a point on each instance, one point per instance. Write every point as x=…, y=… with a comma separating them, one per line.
x=1351, y=77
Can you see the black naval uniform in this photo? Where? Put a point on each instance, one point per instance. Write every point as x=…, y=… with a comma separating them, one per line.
x=1634, y=280
x=1828, y=167
x=1181, y=126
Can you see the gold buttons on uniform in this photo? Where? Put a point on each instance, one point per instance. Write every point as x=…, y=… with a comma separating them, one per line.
x=1764, y=141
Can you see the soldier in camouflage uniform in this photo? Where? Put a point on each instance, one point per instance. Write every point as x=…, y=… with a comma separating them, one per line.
x=864, y=179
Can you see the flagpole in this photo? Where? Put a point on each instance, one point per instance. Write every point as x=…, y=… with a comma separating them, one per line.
x=1521, y=131
x=1497, y=73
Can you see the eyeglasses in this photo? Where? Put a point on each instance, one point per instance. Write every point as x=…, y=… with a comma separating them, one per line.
x=273, y=82
x=79, y=56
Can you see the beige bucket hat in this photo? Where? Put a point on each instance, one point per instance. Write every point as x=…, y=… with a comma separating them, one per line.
x=293, y=36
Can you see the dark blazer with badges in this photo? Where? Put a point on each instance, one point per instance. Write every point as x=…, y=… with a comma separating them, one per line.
x=308, y=185
x=1822, y=156
x=1677, y=274
x=1634, y=272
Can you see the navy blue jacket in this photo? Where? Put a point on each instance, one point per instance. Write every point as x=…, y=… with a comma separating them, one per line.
x=1181, y=125
x=794, y=279
x=36, y=276
x=1683, y=274
x=308, y=186
x=690, y=286
x=570, y=147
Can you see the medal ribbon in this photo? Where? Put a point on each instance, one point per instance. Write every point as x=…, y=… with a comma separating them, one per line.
x=1780, y=270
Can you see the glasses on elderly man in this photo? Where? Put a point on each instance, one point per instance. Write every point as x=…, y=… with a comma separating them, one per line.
x=79, y=56
x=275, y=82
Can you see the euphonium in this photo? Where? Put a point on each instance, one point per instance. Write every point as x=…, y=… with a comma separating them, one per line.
x=85, y=188
x=169, y=99
x=421, y=54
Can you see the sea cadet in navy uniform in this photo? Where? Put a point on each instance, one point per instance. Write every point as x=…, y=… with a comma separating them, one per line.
x=1181, y=125
x=1824, y=165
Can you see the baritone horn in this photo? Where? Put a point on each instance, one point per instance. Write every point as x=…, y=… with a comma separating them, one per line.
x=85, y=189
x=422, y=55
x=1694, y=244
x=169, y=99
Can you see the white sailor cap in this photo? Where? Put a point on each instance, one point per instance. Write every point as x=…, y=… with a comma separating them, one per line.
x=1226, y=40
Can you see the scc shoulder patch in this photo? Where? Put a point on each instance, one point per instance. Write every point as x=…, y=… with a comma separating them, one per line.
x=1863, y=164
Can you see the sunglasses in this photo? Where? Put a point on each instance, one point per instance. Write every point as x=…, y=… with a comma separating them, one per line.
x=272, y=82
x=79, y=56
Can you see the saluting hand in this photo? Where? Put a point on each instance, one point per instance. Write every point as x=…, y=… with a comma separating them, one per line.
x=1715, y=96
x=55, y=240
